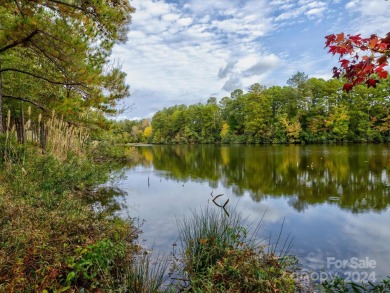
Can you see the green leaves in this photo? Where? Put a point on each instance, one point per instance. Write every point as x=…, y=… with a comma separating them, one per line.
x=309, y=110
x=59, y=49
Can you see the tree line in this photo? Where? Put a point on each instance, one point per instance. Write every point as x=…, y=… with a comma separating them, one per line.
x=307, y=110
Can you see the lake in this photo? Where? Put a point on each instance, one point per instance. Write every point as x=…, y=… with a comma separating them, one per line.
x=333, y=199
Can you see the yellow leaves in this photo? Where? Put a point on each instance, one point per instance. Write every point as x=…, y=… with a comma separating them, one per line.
x=293, y=128
x=148, y=132
x=225, y=130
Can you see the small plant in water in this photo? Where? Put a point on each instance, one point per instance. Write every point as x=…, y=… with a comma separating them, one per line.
x=148, y=273
x=219, y=254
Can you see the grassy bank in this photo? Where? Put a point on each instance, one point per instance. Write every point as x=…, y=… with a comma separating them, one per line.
x=51, y=238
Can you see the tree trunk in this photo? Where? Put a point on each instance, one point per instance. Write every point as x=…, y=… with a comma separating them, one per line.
x=1, y=102
x=21, y=132
x=43, y=136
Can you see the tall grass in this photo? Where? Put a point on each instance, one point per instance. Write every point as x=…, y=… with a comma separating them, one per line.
x=220, y=253
x=54, y=135
x=147, y=274
x=64, y=137
x=207, y=234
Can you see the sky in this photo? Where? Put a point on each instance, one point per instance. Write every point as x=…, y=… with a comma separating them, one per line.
x=183, y=52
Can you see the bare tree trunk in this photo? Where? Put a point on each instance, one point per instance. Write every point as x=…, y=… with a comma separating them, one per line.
x=1, y=102
x=43, y=136
x=22, y=131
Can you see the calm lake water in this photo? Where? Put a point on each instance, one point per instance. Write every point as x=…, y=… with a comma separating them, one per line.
x=334, y=200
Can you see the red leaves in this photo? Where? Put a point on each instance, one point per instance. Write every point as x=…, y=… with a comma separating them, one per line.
x=366, y=69
x=329, y=40
x=356, y=39
x=340, y=38
x=344, y=63
x=372, y=82
x=347, y=87
x=336, y=72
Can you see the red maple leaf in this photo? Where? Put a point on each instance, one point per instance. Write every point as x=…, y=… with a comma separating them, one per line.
x=336, y=72
x=329, y=39
x=344, y=63
x=348, y=87
x=372, y=82
x=358, y=69
x=382, y=74
x=356, y=39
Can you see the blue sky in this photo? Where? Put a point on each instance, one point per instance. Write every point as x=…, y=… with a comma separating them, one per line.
x=183, y=52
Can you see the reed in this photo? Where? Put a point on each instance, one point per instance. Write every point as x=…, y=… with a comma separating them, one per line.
x=221, y=253
x=148, y=273
x=54, y=135
x=64, y=138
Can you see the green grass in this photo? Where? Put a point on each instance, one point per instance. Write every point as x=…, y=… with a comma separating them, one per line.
x=50, y=237
x=147, y=274
x=220, y=254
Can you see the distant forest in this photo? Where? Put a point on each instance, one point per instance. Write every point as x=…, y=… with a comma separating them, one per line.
x=308, y=110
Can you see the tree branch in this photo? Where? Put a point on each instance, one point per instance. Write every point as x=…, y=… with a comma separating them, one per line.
x=68, y=4
x=26, y=100
x=38, y=106
x=63, y=71
x=18, y=6
x=14, y=44
x=39, y=77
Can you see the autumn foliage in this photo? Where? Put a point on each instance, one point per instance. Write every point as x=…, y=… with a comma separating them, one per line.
x=363, y=60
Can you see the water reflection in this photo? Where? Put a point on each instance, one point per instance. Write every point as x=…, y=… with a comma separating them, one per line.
x=353, y=177
x=334, y=199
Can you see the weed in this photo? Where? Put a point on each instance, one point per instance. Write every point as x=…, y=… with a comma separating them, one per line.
x=219, y=256
x=147, y=274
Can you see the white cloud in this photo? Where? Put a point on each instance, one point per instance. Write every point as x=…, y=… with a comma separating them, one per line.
x=170, y=17
x=223, y=72
x=185, y=21
x=350, y=5
x=315, y=11
x=186, y=52
x=234, y=82
x=303, y=7
x=371, y=17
